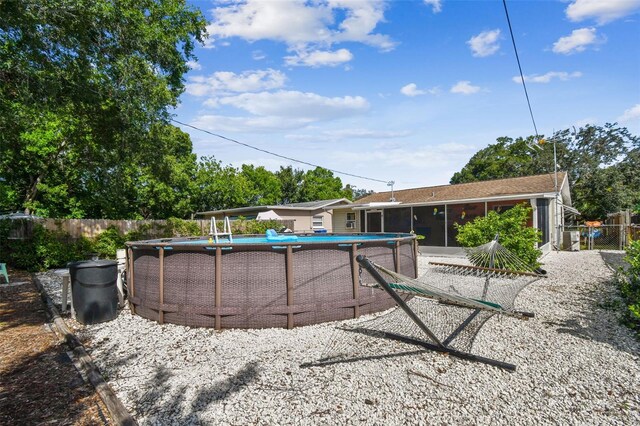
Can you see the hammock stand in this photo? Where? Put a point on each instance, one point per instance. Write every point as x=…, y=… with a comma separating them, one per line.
x=478, y=305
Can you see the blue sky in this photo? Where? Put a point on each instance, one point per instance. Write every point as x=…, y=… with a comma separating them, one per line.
x=404, y=90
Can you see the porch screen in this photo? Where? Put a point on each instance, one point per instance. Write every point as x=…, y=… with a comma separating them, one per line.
x=397, y=220
x=461, y=214
x=543, y=218
x=429, y=221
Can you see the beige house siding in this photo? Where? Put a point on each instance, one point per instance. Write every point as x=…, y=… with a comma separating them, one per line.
x=340, y=221
x=301, y=214
x=304, y=219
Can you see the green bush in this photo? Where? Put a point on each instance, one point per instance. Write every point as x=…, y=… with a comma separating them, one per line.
x=244, y=226
x=180, y=228
x=47, y=249
x=511, y=226
x=630, y=287
x=5, y=228
x=108, y=242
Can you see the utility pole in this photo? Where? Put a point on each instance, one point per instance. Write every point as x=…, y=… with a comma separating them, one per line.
x=391, y=183
x=557, y=214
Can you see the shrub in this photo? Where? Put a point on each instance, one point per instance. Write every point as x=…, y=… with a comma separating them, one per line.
x=511, y=226
x=108, y=242
x=244, y=226
x=180, y=228
x=47, y=249
x=630, y=287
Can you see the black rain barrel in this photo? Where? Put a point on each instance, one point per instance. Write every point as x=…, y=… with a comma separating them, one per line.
x=94, y=290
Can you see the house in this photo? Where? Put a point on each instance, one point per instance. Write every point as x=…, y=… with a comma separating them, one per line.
x=433, y=211
x=308, y=217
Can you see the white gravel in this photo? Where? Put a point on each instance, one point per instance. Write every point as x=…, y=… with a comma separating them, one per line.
x=576, y=365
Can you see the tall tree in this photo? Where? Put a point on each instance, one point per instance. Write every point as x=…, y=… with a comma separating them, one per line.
x=320, y=184
x=601, y=162
x=219, y=187
x=82, y=85
x=264, y=185
x=290, y=184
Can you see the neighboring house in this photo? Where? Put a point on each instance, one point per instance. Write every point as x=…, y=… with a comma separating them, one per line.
x=433, y=211
x=308, y=217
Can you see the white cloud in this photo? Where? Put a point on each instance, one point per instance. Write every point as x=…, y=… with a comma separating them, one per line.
x=302, y=25
x=411, y=90
x=194, y=65
x=603, y=11
x=436, y=5
x=294, y=104
x=258, y=55
x=441, y=156
x=546, y=78
x=319, y=58
x=578, y=41
x=282, y=110
x=251, y=124
x=367, y=134
x=225, y=82
x=485, y=43
x=464, y=88
x=342, y=134
x=630, y=115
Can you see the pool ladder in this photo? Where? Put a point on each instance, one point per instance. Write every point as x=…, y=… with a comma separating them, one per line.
x=226, y=230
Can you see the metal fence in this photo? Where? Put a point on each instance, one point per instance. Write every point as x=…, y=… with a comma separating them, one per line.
x=605, y=237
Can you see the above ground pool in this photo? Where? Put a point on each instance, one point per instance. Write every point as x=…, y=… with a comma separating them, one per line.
x=256, y=282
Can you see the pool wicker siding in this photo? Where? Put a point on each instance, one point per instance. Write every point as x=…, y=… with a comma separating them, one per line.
x=260, y=285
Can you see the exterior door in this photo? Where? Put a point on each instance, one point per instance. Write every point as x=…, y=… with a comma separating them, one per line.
x=374, y=221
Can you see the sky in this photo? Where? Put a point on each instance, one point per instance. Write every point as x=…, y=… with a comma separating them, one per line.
x=404, y=91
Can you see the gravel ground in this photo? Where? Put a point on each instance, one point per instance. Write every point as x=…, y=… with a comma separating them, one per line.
x=576, y=365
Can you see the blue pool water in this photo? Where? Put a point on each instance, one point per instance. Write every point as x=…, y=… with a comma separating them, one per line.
x=300, y=239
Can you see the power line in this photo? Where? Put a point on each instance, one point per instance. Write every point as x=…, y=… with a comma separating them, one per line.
x=277, y=155
x=515, y=49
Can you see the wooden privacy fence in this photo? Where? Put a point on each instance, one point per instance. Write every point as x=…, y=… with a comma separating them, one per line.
x=91, y=228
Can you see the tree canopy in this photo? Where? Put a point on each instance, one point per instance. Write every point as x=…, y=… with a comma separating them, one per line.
x=602, y=165
x=223, y=187
x=85, y=92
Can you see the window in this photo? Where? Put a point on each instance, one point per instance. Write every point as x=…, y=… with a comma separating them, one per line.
x=318, y=222
x=351, y=221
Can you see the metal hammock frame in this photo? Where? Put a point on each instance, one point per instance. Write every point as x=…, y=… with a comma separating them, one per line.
x=484, y=258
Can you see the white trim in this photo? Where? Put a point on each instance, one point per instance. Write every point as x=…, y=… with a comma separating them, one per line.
x=265, y=208
x=456, y=201
x=313, y=220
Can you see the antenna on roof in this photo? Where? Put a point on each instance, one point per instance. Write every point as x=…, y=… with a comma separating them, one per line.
x=391, y=183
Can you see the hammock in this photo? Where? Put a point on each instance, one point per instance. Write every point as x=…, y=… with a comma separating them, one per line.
x=403, y=284
x=443, y=310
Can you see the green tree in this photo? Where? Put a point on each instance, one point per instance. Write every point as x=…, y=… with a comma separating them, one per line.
x=320, y=184
x=164, y=181
x=83, y=84
x=264, y=185
x=601, y=163
x=506, y=158
x=290, y=184
x=219, y=187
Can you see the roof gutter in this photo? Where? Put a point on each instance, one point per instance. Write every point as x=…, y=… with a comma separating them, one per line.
x=456, y=201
